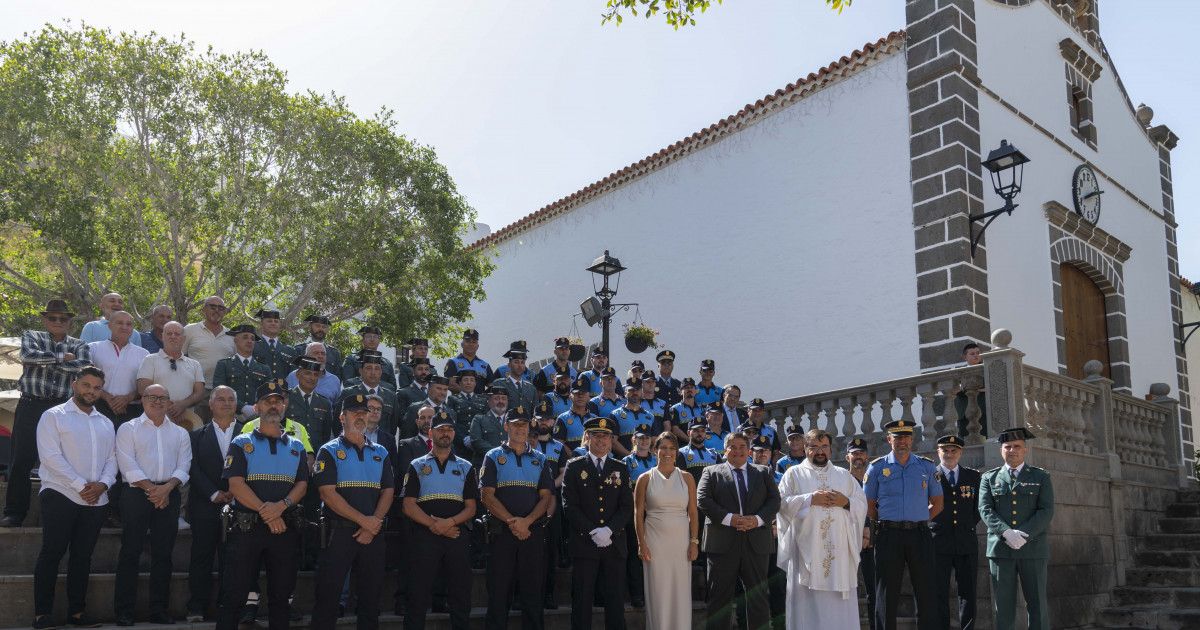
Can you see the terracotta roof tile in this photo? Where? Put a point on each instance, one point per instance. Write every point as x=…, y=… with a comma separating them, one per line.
x=730, y=124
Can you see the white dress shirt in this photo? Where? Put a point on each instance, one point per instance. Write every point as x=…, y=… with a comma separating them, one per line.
x=120, y=365
x=746, y=480
x=946, y=472
x=224, y=437
x=76, y=448
x=153, y=453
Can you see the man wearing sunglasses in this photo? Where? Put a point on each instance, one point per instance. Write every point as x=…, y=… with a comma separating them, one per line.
x=50, y=360
x=182, y=376
x=206, y=342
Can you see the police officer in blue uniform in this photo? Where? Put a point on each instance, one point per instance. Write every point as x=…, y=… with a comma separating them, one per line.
x=640, y=461
x=694, y=457
x=560, y=397
x=570, y=424
x=544, y=379
x=651, y=402
x=466, y=360
x=708, y=392
x=903, y=495
x=269, y=350
x=599, y=363
x=757, y=417
x=667, y=387
x=268, y=473
x=440, y=491
x=609, y=398
x=517, y=488
x=628, y=417
x=795, y=442
x=680, y=415
x=714, y=417
x=954, y=537
x=356, y=482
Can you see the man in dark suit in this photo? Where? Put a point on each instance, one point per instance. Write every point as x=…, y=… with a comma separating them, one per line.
x=739, y=500
x=735, y=416
x=208, y=495
x=407, y=450
x=954, y=537
x=598, y=502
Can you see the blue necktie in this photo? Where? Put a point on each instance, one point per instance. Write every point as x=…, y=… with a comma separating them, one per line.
x=741, y=486
x=953, y=478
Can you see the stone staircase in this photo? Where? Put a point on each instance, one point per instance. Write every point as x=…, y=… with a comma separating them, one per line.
x=1162, y=589
x=19, y=549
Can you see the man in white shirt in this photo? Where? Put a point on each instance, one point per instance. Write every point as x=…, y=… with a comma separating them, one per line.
x=99, y=330
x=154, y=456
x=182, y=376
x=75, y=444
x=206, y=342
x=208, y=494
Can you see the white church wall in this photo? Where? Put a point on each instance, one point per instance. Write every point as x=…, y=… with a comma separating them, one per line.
x=784, y=251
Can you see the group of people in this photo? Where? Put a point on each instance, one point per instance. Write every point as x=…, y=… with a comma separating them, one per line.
x=285, y=455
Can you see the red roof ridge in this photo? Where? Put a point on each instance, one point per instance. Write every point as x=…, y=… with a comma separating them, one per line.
x=730, y=124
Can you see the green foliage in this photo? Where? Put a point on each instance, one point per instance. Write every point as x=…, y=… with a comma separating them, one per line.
x=139, y=164
x=677, y=12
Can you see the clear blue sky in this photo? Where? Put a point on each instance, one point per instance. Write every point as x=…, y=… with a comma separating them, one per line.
x=527, y=102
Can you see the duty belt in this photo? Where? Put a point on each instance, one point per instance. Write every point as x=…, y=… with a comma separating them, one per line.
x=904, y=524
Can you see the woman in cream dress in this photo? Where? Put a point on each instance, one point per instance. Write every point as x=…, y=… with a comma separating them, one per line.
x=667, y=524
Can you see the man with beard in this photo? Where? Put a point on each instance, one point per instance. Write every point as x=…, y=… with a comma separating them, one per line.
x=318, y=327
x=516, y=486
x=436, y=392
x=487, y=429
x=545, y=379
x=708, y=392
x=417, y=390
x=599, y=363
x=856, y=457
x=466, y=360
x=268, y=472
x=667, y=388
x=371, y=338
x=627, y=418
x=269, y=350
x=556, y=459
x=419, y=349
x=355, y=480
x=820, y=538
x=568, y=428
x=308, y=407
x=681, y=414
x=694, y=457
x=609, y=399
x=902, y=496
x=76, y=446
x=655, y=406
x=795, y=441
x=560, y=398
x=328, y=385
x=240, y=371
x=440, y=491
x=954, y=537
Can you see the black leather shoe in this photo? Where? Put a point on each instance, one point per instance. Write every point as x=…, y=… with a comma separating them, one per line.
x=161, y=619
x=550, y=604
x=441, y=606
x=124, y=620
x=638, y=603
x=401, y=608
x=9, y=521
x=249, y=613
x=295, y=615
x=82, y=621
x=44, y=623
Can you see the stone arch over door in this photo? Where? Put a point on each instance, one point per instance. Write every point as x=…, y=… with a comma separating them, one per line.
x=1106, y=272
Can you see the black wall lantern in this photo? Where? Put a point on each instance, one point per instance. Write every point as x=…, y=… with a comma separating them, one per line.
x=1007, y=168
x=600, y=311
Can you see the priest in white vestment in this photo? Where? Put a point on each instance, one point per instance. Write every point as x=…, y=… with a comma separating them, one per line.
x=820, y=525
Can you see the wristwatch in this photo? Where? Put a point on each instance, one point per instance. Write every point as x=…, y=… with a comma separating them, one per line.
x=694, y=541
x=287, y=502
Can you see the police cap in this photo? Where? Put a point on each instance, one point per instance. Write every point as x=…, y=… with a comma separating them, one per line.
x=274, y=387
x=308, y=363
x=244, y=328
x=951, y=440
x=517, y=414
x=316, y=319
x=900, y=427
x=708, y=364
x=1014, y=434
x=562, y=342
x=267, y=314
x=441, y=420
x=581, y=385
x=665, y=355
x=470, y=333
x=641, y=430
x=757, y=403
x=369, y=330
x=599, y=425
x=855, y=445
x=354, y=403
x=761, y=443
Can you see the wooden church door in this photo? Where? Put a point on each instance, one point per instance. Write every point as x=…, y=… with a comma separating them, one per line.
x=1084, y=321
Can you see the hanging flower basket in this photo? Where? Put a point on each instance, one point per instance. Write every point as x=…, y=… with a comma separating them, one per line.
x=578, y=350
x=639, y=337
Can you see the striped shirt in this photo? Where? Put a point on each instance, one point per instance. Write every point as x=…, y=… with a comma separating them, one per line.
x=46, y=374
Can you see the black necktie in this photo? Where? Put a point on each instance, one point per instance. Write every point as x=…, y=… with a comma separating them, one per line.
x=246, y=363
x=953, y=478
x=307, y=400
x=272, y=344
x=741, y=485
x=600, y=465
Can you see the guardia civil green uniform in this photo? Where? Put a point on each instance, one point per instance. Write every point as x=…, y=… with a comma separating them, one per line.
x=243, y=374
x=311, y=409
x=273, y=353
x=1021, y=501
x=354, y=362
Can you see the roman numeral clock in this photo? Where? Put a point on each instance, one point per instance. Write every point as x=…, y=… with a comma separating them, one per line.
x=1085, y=190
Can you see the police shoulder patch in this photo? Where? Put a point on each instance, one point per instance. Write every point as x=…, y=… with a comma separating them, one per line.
x=229, y=461
x=320, y=466
x=248, y=447
x=341, y=454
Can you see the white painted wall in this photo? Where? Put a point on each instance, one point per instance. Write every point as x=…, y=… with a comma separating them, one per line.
x=1191, y=313
x=1031, y=76
x=784, y=252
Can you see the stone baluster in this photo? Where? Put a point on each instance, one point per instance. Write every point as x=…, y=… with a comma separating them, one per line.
x=813, y=411
x=1054, y=423
x=949, y=390
x=972, y=384
x=1035, y=405
x=1172, y=451
x=1086, y=406
x=866, y=406
x=885, y=416
x=830, y=408
x=905, y=394
x=1102, y=421
x=928, y=393
x=847, y=404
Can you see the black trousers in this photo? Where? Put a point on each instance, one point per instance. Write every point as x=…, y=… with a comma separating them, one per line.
x=24, y=455
x=965, y=567
x=895, y=548
x=66, y=525
x=206, y=546
x=516, y=563
x=342, y=554
x=867, y=561
x=777, y=592
x=553, y=543
x=635, y=573
x=452, y=557
x=724, y=571
x=280, y=553
x=131, y=412
x=610, y=567
x=140, y=518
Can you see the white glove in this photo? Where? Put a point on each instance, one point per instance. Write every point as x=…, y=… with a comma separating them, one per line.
x=467, y=441
x=1014, y=538
x=601, y=536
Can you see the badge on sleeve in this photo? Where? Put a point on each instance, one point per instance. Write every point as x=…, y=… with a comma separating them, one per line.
x=229, y=461
x=320, y=466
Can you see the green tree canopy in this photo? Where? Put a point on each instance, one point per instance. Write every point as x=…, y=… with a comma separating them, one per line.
x=139, y=164
x=677, y=12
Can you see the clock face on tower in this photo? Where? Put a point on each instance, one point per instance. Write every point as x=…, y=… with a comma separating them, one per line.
x=1085, y=189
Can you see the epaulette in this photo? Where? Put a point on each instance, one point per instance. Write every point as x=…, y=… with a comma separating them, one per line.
x=996, y=469
x=876, y=459
x=574, y=458
x=927, y=459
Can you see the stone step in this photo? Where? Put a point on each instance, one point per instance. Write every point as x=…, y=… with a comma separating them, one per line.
x=34, y=517
x=1179, y=597
x=1174, y=559
x=1149, y=617
x=1169, y=542
x=1179, y=525
x=19, y=548
x=1183, y=510
x=1189, y=496
x=1157, y=576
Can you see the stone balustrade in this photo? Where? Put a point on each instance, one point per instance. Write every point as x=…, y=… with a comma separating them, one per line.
x=1060, y=409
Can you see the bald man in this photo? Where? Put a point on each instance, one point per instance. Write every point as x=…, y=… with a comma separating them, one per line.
x=98, y=330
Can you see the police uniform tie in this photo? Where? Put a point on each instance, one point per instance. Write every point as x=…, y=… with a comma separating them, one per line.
x=307, y=400
x=272, y=344
x=246, y=363
x=370, y=391
x=1012, y=472
x=600, y=465
x=953, y=478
